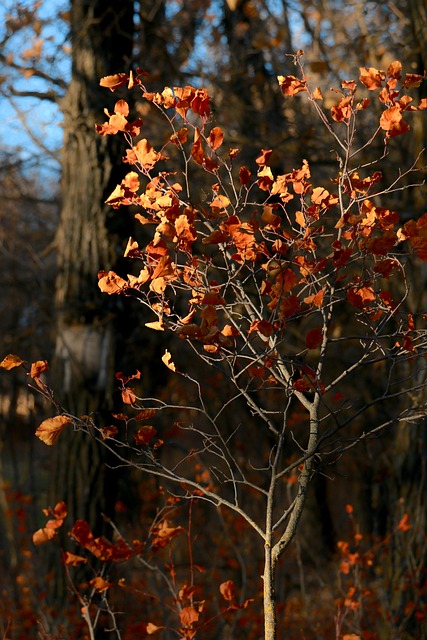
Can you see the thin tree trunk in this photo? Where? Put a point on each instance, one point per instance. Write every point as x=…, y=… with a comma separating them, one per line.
x=270, y=619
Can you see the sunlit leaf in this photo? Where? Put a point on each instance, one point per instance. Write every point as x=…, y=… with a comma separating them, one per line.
x=167, y=360
x=50, y=429
x=11, y=361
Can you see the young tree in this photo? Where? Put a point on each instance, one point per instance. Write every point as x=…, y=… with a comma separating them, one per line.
x=297, y=293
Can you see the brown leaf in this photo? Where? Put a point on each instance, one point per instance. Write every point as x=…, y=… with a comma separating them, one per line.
x=50, y=429
x=108, y=432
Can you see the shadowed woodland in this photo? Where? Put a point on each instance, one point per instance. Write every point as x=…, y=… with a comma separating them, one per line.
x=135, y=552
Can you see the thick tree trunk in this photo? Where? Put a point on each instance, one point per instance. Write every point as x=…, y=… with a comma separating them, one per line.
x=102, y=39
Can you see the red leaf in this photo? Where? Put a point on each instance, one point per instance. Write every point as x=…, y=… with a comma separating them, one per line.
x=244, y=175
x=314, y=338
x=145, y=434
x=261, y=326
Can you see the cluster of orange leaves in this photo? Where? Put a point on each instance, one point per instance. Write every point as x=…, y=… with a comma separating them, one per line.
x=288, y=244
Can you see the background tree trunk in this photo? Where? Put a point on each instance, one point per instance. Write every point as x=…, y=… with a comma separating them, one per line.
x=87, y=241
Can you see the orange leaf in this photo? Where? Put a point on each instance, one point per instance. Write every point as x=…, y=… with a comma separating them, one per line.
x=41, y=536
x=60, y=510
x=290, y=85
x=72, y=559
x=372, y=78
x=317, y=94
x=111, y=283
x=188, y=615
x=215, y=138
x=38, y=367
x=167, y=360
x=394, y=70
x=227, y=590
x=11, y=361
x=128, y=395
x=157, y=325
x=392, y=121
x=264, y=157
x=50, y=429
x=152, y=628
x=115, y=81
x=146, y=154
x=99, y=584
x=361, y=297
x=343, y=110
x=300, y=219
x=404, y=524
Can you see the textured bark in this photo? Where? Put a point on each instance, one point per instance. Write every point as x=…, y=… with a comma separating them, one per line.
x=251, y=99
x=102, y=41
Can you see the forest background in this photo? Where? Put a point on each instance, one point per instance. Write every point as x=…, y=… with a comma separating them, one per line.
x=56, y=234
